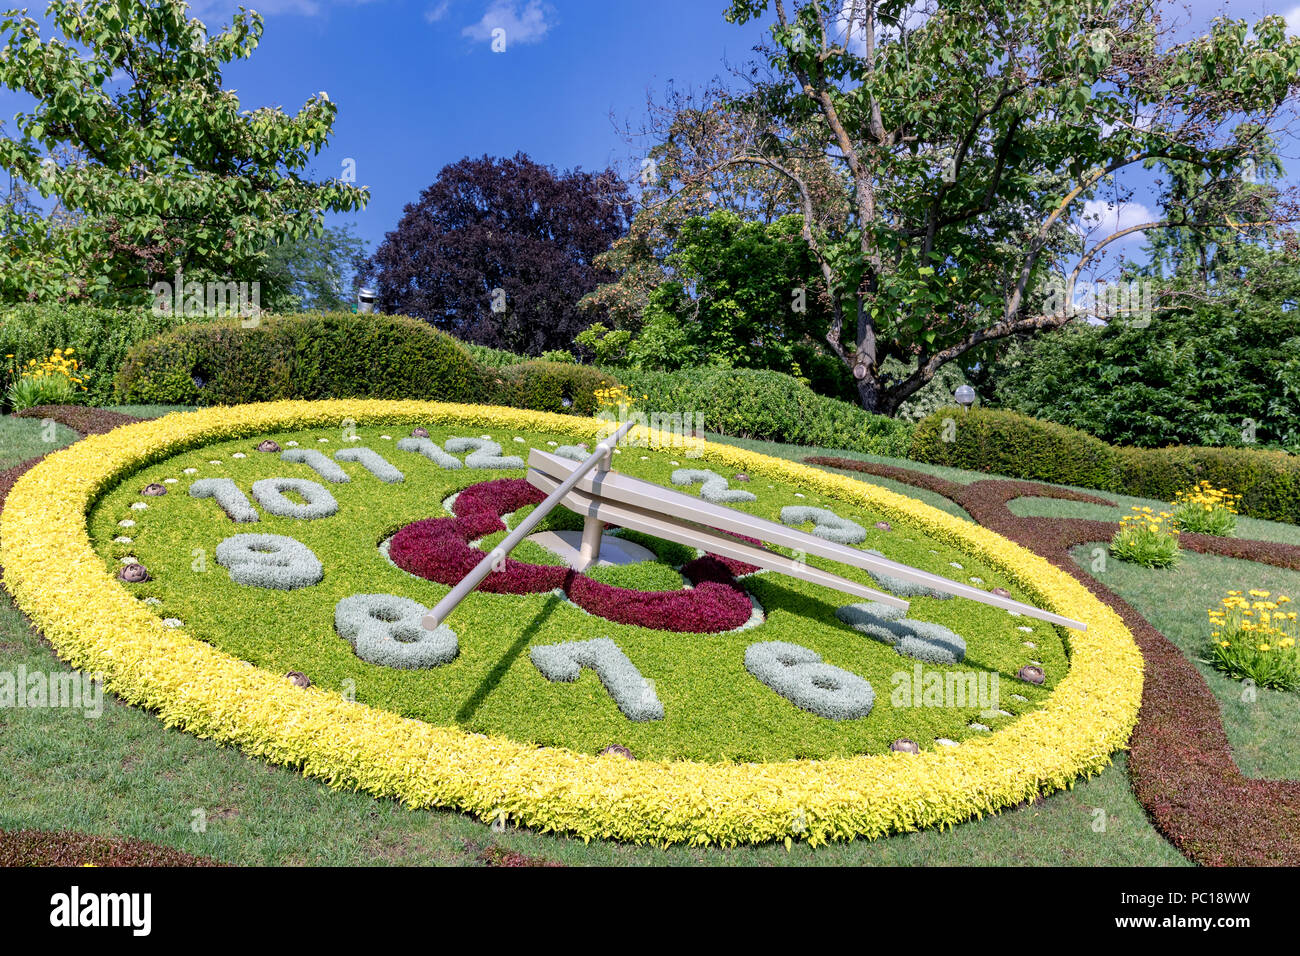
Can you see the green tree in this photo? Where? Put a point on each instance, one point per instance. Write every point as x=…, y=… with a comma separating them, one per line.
x=158, y=167
x=970, y=141
x=740, y=294
x=1220, y=367
x=685, y=175
x=312, y=272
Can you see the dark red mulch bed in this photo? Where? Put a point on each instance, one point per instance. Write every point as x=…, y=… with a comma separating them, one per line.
x=88, y=421
x=67, y=848
x=500, y=856
x=1180, y=762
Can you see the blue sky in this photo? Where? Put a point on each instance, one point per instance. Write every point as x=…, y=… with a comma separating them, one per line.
x=419, y=86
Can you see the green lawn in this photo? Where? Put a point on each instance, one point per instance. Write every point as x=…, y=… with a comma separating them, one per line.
x=1261, y=727
x=1252, y=528
x=23, y=438
x=150, y=411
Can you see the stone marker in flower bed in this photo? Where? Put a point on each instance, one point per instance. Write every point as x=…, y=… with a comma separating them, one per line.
x=699, y=665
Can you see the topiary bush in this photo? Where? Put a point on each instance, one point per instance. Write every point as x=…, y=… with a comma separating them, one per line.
x=1014, y=445
x=546, y=386
x=765, y=405
x=309, y=356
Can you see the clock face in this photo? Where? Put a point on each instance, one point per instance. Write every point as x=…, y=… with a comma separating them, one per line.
x=317, y=551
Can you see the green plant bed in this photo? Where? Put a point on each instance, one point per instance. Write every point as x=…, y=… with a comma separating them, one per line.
x=1261, y=731
x=714, y=709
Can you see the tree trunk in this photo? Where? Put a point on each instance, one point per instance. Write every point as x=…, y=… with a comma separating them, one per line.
x=869, y=394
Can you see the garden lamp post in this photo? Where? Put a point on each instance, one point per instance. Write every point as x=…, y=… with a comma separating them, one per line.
x=965, y=396
x=365, y=301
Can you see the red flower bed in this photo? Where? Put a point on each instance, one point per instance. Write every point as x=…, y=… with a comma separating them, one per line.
x=438, y=549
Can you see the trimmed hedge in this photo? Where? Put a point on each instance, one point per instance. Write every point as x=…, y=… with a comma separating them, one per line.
x=768, y=406
x=99, y=338
x=309, y=356
x=1268, y=481
x=545, y=386
x=489, y=357
x=1014, y=445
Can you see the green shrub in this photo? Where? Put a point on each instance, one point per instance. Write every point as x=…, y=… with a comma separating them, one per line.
x=493, y=358
x=1268, y=481
x=99, y=338
x=765, y=405
x=547, y=386
x=1204, y=509
x=55, y=380
x=1014, y=445
x=1254, y=638
x=310, y=356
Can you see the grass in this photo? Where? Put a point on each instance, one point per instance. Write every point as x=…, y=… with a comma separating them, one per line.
x=149, y=411
x=1250, y=528
x=23, y=438
x=714, y=708
x=1260, y=727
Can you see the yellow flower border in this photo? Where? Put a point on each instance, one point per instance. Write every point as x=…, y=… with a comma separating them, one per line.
x=95, y=624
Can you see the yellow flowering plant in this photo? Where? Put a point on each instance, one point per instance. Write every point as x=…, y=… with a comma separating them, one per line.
x=1253, y=637
x=52, y=381
x=1147, y=538
x=1204, y=509
x=614, y=397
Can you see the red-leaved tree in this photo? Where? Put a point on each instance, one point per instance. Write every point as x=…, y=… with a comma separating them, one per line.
x=499, y=251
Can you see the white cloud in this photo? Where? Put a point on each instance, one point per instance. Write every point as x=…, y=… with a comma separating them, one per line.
x=1100, y=219
x=526, y=25
x=437, y=12
x=217, y=13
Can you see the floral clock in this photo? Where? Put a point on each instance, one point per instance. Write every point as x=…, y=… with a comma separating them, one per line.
x=198, y=559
